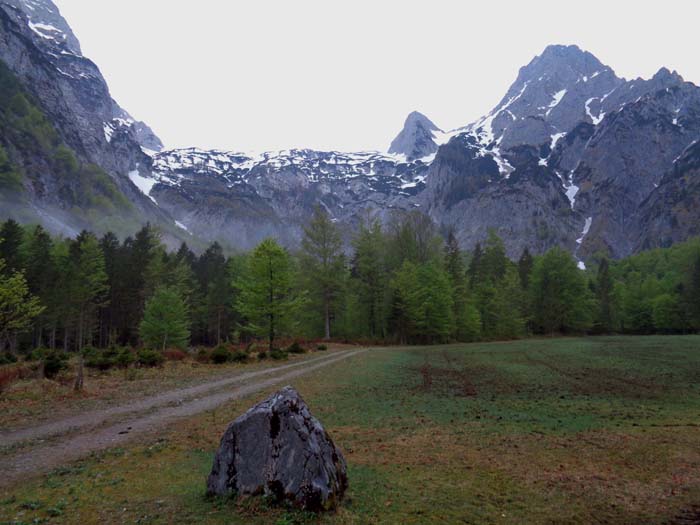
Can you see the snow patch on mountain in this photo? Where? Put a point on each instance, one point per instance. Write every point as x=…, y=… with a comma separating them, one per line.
x=144, y=184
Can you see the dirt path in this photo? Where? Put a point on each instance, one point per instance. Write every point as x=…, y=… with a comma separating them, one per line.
x=145, y=415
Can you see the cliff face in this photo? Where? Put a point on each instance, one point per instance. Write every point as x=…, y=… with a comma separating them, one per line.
x=572, y=156
x=61, y=135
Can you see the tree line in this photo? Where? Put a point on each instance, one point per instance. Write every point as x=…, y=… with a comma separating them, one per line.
x=401, y=282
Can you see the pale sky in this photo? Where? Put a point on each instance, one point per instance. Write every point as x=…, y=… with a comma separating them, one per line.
x=324, y=74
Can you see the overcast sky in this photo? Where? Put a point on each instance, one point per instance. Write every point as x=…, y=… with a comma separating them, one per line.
x=325, y=74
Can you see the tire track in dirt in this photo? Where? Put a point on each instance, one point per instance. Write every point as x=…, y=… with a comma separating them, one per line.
x=95, y=417
x=49, y=456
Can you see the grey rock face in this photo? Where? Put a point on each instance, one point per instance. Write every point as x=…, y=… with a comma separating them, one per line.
x=527, y=207
x=39, y=49
x=239, y=199
x=416, y=140
x=625, y=161
x=671, y=213
x=552, y=94
x=278, y=449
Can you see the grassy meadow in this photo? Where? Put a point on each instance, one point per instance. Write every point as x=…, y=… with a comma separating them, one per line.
x=595, y=430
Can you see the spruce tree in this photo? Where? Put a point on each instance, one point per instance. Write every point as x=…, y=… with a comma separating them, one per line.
x=18, y=308
x=457, y=273
x=265, y=300
x=324, y=264
x=525, y=264
x=604, y=294
x=561, y=300
x=692, y=293
x=11, y=235
x=369, y=271
x=165, y=323
x=88, y=291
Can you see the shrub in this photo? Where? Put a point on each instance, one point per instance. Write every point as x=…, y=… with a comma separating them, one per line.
x=239, y=356
x=174, y=354
x=220, y=355
x=321, y=348
x=202, y=355
x=262, y=355
x=7, y=358
x=296, y=348
x=54, y=361
x=37, y=354
x=100, y=359
x=278, y=355
x=125, y=357
x=147, y=357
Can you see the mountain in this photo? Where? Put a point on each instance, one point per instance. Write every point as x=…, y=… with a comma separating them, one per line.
x=670, y=213
x=418, y=138
x=572, y=156
x=69, y=146
x=240, y=199
x=572, y=127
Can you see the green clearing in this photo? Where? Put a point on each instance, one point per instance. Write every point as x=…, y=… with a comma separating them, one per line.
x=598, y=430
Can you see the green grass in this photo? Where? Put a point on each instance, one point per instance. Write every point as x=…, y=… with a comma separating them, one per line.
x=600, y=430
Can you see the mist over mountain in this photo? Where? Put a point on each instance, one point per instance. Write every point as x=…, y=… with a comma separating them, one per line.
x=572, y=156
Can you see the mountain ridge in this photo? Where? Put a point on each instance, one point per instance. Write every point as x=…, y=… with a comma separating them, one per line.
x=572, y=156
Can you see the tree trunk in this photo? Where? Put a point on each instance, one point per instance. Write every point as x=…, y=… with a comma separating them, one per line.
x=327, y=319
x=80, y=377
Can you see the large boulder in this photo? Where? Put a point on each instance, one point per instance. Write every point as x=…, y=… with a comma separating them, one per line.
x=278, y=449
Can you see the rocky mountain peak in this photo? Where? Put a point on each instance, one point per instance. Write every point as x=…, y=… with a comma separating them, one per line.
x=47, y=24
x=665, y=76
x=551, y=94
x=417, y=139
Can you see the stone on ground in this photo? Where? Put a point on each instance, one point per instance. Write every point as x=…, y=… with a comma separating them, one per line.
x=278, y=449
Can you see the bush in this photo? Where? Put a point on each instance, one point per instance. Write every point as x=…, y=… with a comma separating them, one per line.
x=150, y=358
x=100, y=359
x=202, y=355
x=220, y=355
x=279, y=355
x=125, y=357
x=322, y=348
x=7, y=358
x=174, y=354
x=54, y=361
x=295, y=348
x=262, y=355
x=239, y=356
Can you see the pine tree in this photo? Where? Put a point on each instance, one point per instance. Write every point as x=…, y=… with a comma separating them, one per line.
x=324, y=264
x=265, y=299
x=165, y=323
x=18, y=308
x=525, y=264
x=561, y=300
x=109, y=244
x=11, y=235
x=131, y=278
x=475, y=266
x=215, y=292
x=88, y=290
x=494, y=261
x=456, y=271
x=604, y=294
x=369, y=271
x=692, y=293
x=40, y=273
